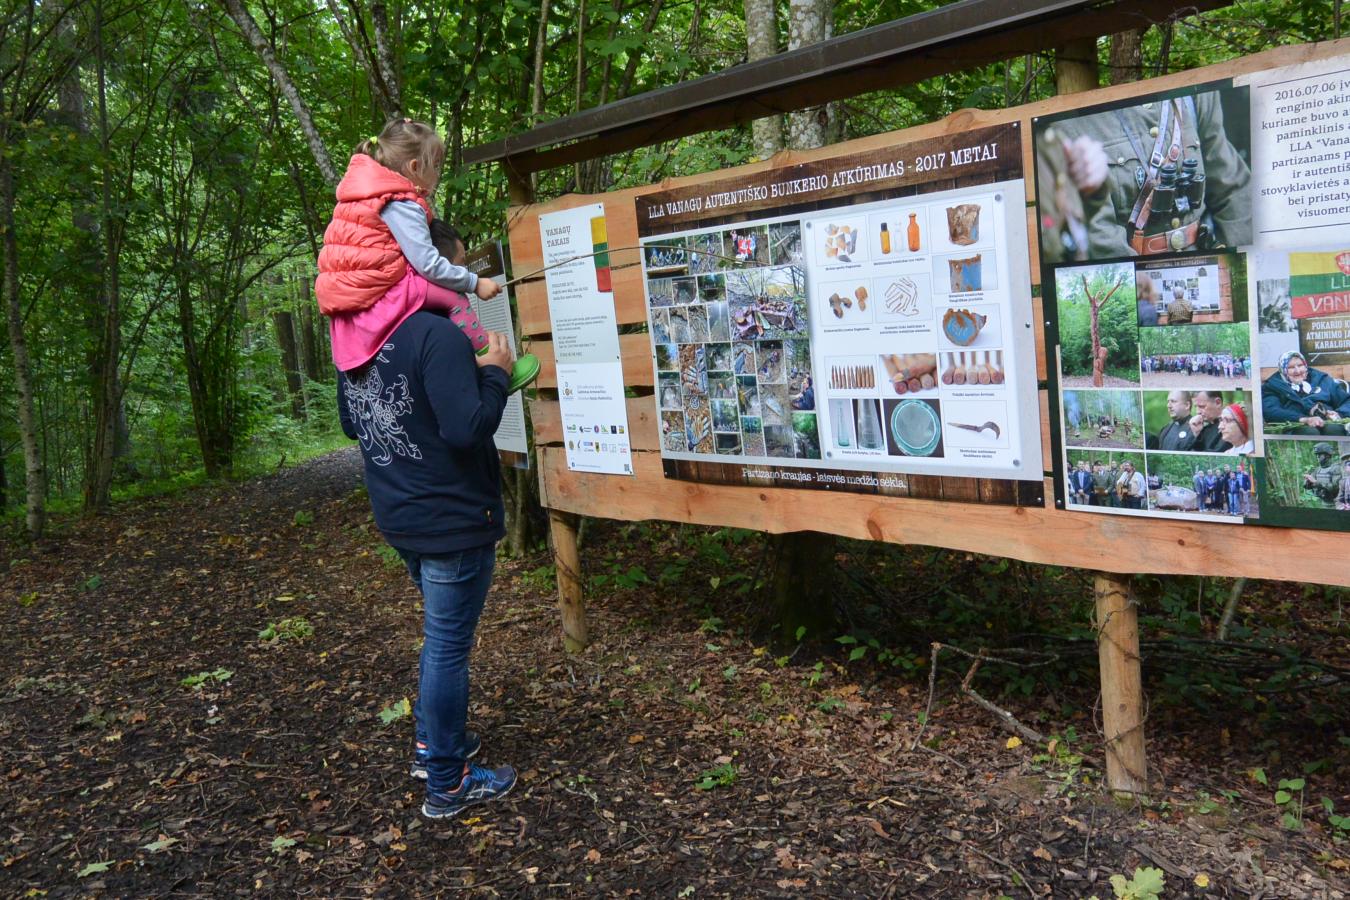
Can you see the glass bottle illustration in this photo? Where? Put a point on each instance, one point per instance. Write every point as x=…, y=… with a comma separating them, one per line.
x=869, y=425
x=913, y=233
x=885, y=239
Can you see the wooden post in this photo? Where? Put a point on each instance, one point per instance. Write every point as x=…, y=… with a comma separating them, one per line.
x=562, y=528
x=1122, y=683
x=1117, y=615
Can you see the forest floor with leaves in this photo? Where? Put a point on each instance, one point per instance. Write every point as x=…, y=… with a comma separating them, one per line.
x=202, y=696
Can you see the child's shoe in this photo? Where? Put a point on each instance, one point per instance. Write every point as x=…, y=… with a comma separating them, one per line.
x=524, y=371
x=472, y=744
x=480, y=784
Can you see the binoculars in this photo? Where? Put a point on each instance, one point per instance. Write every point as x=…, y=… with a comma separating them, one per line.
x=1176, y=193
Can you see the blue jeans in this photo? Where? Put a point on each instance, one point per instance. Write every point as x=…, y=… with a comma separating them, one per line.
x=453, y=586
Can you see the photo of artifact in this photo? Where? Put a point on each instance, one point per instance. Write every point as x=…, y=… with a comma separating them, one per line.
x=1196, y=356
x=668, y=390
x=1309, y=474
x=904, y=298
x=897, y=233
x=1162, y=175
x=963, y=224
x=966, y=274
x=1209, y=485
x=975, y=367
x=1098, y=329
x=975, y=327
x=910, y=373
x=913, y=427
x=1107, y=418
x=848, y=301
x=841, y=419
x=840, y=242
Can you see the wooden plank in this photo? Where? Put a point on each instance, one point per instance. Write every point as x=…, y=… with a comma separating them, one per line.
x=636, y=350
x=1047, y=453
x=1051, y=536
x=643, y=428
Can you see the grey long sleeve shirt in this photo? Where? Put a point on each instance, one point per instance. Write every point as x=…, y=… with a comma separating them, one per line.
x=408, y=222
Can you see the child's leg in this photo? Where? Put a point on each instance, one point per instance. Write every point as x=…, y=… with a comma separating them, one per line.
x=461, y=313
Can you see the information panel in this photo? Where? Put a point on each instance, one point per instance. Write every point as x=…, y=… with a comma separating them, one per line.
x=487, y=261
x=850, y=324
x=586, y=340
x=1196, y=270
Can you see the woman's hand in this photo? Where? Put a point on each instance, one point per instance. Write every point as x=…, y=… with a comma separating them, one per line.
x=1314, y=421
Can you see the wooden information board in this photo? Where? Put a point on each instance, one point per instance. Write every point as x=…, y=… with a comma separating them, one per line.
x=1055, y=533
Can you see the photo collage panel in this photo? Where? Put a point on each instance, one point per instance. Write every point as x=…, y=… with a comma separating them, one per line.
x=729, y=322
x=1139, y=208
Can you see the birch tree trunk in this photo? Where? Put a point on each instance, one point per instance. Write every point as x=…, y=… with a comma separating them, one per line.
x=809, y=22
x=761, y=39
x=267, y=54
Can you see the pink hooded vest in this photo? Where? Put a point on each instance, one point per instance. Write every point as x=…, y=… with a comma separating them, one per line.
x=360, y=260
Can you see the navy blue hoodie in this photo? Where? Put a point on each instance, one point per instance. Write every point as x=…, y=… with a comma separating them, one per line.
x=425, y=414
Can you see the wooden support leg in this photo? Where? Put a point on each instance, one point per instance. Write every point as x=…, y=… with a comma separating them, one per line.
x=1122, y=684
x=567, y=562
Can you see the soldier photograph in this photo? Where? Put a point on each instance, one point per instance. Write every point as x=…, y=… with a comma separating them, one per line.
x=1308, y=475
x=1168, y=175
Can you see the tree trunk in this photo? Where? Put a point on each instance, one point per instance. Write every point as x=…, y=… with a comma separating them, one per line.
x=35, y=473
x=803, y=571
x=265, y=51
x=284, y=324
x=1076, y=67
x=809, y=22
x=309, y=352
x=761, y=39
x=1127, y=56
x=106, y=390
x=384, y=56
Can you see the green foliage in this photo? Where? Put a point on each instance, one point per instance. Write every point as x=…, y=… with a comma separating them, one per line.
x=723, y=775
x=219, y=676
x=542, y=579
x=400, y=709
x=291, y=628
x=303, y=518
x=1147, y=884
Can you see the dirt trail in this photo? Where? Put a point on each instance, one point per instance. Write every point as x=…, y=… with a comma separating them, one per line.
x=277, y=775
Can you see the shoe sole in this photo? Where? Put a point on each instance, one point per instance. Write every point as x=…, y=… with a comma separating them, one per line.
x=451, y=813
x=420, y=772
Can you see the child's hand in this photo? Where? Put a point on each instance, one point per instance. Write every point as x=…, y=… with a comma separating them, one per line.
x=498, y=351
x=487, y=289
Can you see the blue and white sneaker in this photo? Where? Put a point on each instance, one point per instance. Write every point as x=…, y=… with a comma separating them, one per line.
x=480, y=785
x=419, y=764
